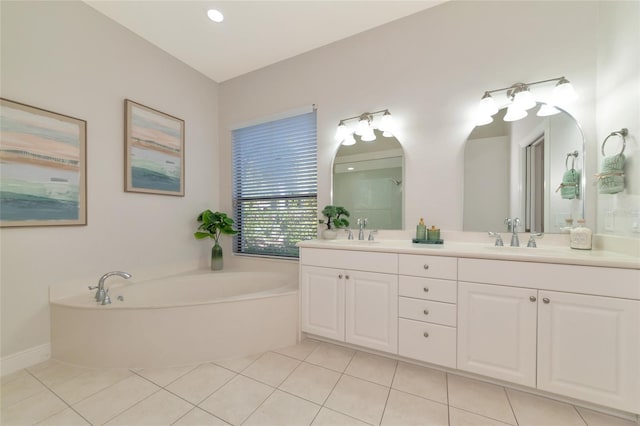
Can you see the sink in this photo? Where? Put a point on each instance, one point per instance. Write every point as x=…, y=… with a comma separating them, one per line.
x=354, y=242
x=533, y=251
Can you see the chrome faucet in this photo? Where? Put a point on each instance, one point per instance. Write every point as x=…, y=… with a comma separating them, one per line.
x=373, y=231
x=498, y=238
x=515, y=241
x=362, y=224
x=532, y=239
x=102, y=295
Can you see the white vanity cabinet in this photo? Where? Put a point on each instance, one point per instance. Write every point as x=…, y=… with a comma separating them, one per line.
x=427, y=308
x=519, y=318
x=350, y=296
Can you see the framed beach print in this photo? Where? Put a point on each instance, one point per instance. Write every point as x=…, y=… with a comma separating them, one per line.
x=154, y=151
x=43, y=167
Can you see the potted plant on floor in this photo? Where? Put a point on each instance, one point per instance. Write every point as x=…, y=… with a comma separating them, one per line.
x=336, y=219
x=212, y=225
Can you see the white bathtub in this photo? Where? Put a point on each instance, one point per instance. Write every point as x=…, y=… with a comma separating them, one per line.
x=179, y=320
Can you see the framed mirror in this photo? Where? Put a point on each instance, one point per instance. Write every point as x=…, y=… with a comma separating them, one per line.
x=530, y=169
x=367, y=180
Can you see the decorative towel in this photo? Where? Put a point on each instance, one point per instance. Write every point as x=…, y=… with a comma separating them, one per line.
x=611, y=177
x=570, y=186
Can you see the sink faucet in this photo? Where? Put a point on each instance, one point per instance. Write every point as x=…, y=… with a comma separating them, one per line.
x=515, y=241
x=102, y=295
x=362, y=223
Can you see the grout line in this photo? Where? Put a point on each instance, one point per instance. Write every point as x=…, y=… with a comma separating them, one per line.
x=57, y=396
x=386, y=402
x=198, y=408
x=131, y=406
x=446, y=384
x=580, y=415
x=511, y=406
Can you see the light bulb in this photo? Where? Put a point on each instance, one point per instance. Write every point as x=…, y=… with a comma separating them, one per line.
x=488, y=105
x=363, y=126
x=215, y=15
x=341, y=132
x=547, y=110
x=524, y=100
x=484, y=119
x=514, y=113
x=368, y=136
x=349, y=140
x=386, y=123
x=563, y=92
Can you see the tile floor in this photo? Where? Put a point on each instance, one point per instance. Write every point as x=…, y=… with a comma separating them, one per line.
x=311, y=383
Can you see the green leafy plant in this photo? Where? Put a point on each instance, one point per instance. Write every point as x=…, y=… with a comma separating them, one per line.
x=334, y=219
x=213, y=225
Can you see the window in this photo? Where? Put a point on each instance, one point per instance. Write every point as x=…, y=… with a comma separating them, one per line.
x=275, y=185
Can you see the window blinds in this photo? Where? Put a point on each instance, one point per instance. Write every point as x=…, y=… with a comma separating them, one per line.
x=275, y=185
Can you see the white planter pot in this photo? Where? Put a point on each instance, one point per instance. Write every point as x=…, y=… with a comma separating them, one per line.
x=329, y=234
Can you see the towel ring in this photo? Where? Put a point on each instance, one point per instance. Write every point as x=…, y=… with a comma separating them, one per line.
x=622, y=133
x=574, y=155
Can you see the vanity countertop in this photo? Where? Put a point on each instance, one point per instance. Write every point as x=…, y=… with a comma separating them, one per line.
x=545, y=254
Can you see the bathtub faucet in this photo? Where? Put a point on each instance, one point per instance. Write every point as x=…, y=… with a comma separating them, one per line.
x=102, y=295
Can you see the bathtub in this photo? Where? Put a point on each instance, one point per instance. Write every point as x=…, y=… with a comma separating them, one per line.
x=179, y=320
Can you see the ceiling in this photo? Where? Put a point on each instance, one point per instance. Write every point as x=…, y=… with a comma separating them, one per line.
x=254, y=34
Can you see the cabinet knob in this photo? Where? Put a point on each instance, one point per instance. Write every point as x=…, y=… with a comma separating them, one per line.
x=346, y=276
x=426, y=312
x=546, y=300
x=340, y=276
x=532, y=298
x=426, y=266
x=426, y=334
x=426, y=289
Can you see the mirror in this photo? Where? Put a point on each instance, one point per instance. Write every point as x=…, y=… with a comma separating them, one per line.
x=368, y=181
x=515, y=169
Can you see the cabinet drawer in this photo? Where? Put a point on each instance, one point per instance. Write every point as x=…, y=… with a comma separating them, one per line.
x=427, y=311
x=428, y=288
x=428, y=266
x=427, y=342
x=349, y=259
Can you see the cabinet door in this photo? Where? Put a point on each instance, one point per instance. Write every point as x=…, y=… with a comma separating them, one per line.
x=322, y=301
x=497, y=332
x=372, y=310
x=588, y=348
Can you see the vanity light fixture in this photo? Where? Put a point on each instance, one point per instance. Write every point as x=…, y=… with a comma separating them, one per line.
x=365, y=127
x=520, y=99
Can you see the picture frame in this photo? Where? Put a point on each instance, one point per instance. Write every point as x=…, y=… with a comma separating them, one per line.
x=154, y=151
x=43, y=170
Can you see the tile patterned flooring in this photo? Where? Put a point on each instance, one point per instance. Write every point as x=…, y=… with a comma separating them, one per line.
x=312, y=383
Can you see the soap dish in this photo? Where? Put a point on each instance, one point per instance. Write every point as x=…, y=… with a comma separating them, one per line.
x=424, y=241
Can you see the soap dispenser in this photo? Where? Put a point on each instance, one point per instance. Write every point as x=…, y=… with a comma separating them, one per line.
x=580, y=236
x=421, y=230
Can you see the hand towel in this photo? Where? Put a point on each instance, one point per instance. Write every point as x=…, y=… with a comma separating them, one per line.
x=611, y=176
x=570, y=186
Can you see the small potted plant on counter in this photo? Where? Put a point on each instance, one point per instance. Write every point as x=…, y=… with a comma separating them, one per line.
x=336, y=219
x=212, y=225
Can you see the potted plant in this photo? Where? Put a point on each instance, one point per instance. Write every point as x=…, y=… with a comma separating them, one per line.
x=212, y=225
x=336, y=219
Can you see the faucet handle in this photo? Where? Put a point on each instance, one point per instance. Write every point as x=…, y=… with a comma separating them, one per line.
x=95, y=287
x=373, y=231
x=532, y=239
x=498, y=238
x=349, y=233
x=107, y=299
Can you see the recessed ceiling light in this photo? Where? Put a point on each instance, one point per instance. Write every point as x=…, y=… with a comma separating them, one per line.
x=215, y=15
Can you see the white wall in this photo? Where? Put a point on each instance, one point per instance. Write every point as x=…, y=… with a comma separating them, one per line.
x=618, y=90
x=430, y=69
x=67, y=58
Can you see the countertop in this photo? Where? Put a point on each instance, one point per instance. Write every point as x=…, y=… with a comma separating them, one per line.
x=546, y=254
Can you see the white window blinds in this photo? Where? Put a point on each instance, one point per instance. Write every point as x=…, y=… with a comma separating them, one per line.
x=275, y=185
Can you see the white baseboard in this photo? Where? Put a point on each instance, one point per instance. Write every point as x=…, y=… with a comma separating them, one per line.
x=32, y=356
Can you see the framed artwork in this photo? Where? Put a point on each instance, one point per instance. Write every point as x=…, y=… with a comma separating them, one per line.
x=154, y=151
x=43, y=167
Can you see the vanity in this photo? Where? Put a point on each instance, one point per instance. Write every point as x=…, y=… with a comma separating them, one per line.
x=557, y=320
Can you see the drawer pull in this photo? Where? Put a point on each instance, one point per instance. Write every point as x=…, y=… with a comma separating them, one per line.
x=426, y=334
x=340, y=276
x=426, y=289
x=346, y=276
x=426, y=312
x=426, y=266
x=546, y=300
x=532, y=298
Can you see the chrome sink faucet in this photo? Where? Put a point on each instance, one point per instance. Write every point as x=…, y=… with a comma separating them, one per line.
x=102, y=295
x=515, y=241
x=362, y=224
